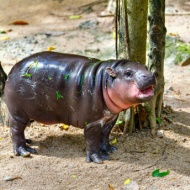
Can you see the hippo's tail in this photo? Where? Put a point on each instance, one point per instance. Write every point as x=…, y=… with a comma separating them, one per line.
x=3, y=78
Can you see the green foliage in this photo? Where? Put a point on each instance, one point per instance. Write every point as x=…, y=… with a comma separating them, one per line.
x=184, y=48
x=32, y=65
x=66, y=76
x=118, y=122
x=176, y=50
x=50, y=78
x=158, y=120
x=27, y=75
x=58, y=95
x=157, y=173
x=2, y=32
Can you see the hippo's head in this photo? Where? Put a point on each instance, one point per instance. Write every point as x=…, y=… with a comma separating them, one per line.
x=128, y=84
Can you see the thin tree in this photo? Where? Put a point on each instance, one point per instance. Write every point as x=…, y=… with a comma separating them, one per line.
x=157, y=33
x=131, y=36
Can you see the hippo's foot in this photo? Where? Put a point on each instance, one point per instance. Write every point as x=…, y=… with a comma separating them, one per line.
x=23, y=151
x=28, y=141
x=108, y=148
x=96, y=157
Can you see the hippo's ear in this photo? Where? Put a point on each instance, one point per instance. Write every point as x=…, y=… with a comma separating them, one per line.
x=111, y=72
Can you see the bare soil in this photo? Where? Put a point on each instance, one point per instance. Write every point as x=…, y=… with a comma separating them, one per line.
x=60, y=162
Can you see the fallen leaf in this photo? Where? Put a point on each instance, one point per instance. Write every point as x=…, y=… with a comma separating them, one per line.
x=74, y=176
x=119, y=122
x=1, y=139
x=127, y=181
x=110, y=187
x=173, y=34
x=20, y=22
x=4, y=38
x=65, y=127
x=114, y=35
x=73, y=17
x=51, y=48
x=157, y=173
x=9, y=178
x=114, y=141
x=158, y=120
x=2, y=32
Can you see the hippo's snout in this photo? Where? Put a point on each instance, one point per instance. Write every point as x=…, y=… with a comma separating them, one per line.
x=145, y=80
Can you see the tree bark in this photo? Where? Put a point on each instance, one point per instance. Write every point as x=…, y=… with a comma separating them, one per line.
x=131, y=29
x=131, y=35
x=157, y=33
x=137, y=11
x=122, y=35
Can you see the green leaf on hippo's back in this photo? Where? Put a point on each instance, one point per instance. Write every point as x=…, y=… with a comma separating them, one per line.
x=50, y=78
x=27, y=75
x=157, y=173
x=58, y=95
x=66, y=76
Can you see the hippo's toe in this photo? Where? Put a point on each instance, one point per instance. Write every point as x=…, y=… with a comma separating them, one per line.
x=97, y=157
x=24, y=151
x=108, y=149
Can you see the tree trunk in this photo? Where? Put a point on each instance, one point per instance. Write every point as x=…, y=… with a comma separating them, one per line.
x=131, y=30
x=157, y=32
x=131, y=35
x=122, y=35
x=137, y=11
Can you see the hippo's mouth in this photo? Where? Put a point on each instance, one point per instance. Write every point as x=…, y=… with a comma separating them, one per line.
x=146, y=93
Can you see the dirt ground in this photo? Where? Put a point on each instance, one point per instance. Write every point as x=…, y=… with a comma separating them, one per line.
x=60, y=162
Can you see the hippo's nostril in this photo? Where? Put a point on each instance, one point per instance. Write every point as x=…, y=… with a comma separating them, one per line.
x=144, y=76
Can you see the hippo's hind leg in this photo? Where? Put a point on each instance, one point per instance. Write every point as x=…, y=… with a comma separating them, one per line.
x=105, y=146
x=17, y=135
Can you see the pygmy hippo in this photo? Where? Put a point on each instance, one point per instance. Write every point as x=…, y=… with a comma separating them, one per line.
x=51, y=87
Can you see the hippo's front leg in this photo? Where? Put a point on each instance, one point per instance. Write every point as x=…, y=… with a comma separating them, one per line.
x=92, y=133
x=17, y=135
x=105, y=146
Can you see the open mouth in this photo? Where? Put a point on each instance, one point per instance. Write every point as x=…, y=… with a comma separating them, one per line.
x=146, y=93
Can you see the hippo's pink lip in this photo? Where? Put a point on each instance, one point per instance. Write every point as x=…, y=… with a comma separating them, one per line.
x=147, y=92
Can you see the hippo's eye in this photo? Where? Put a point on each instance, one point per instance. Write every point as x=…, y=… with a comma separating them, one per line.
x=128, y=74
